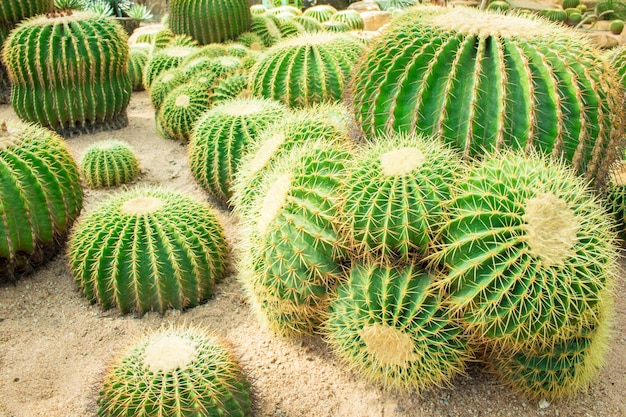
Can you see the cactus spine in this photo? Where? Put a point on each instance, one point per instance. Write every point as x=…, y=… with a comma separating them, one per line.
x=109, y=163
x=41, y=196
x=209, y=21
x=83, y=86
x=172, y=371
x=148, y=249
x=519, y=89
x=181, y=109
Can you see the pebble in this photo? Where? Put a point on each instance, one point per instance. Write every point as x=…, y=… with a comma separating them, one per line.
x=544, y=404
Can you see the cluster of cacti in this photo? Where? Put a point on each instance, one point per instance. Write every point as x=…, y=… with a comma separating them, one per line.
x=222, y=135
x=81, y=86
x=209, y=21
x=306, y=69
x=176, y=371
x=41, y=196
x=148, y=249
x=390, y=323
x=295, y=245
x=568, y=106
x=277, y=140
x=164, y=59
x=109, y=163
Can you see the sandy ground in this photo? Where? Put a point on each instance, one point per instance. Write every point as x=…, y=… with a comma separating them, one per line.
x=55, y=346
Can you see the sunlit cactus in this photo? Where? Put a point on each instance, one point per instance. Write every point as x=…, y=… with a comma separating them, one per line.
x=171, y=57
x=181, y=109
x=109, y=163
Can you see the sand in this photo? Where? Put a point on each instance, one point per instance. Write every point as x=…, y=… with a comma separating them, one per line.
x=55, y=346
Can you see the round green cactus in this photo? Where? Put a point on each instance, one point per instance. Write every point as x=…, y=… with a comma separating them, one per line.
x=230, y=87
x=485, y=81
x=390, y=323
x=14, y=11
x=109, y=163
x=266, y=28
x=82, y=86
x=350, y=17
x=148, y=249
x=275, y=142
x=162, y=60
x=222, y=135
x=555, y=15
x=395, y=194
x=560, y=369
x=529, y=251
x=137, y=60
x=334, y=26
x=165, y=83
x=574, y=18
x=176, y=371
x=615, y=197
x=295, y=246
x=288, y=28
x=251, y=40
x=322, y=12
x=308, y=23
x=237, y=50
x=181, y=109
x=210, y=21
x=567, y=4
x=616, y=26
x=258, y=9
x=499, y=6
x=307, y=69
x=41, y=196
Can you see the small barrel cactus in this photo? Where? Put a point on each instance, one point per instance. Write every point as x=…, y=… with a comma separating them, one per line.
x=334, y=26
x=615, y=197
x=391, y=324
x=485, y=81
x=568, y=4
x=251, y=40
x=163, y=60
x=230, y=87
x=308, y=23
x=69, y=71
x=616, y=26
x=352, y=18
x=148, y=249
x=306, y=69
x=322, y=12
x=395, y=195
x=529, y=251
x=222, y=135
x=555, y=15
x=109, y=163
x=181, y=109
x=41, y=196
x=295, y=245
x=574, y=18
x=176, y=371
x=499, y=6
x=166, y=82
x=137, y=60
x=267, y=28
x=209, y=21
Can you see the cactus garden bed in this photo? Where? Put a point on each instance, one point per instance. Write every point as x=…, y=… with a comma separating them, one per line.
x=55, y=347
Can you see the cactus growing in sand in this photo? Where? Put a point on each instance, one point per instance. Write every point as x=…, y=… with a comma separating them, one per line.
x=167, y=58
x=307, y=69
x=41, y=196
x=181, y=109
x=222, y=135
x=391, y=324
x=69, y=71
x=176, y=371
x=148, y=249
x=109, y=163
x=209, y=21
x=485, y=81
x=530, y=251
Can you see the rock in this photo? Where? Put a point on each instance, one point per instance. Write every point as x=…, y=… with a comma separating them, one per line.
x=603, y=40
x=601, y=25
x=365, y=6
x=375, y=20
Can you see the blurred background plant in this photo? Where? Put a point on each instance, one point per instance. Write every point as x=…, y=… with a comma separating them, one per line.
x=113, y=8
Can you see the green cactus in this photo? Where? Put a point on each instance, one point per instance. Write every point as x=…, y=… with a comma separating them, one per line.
x=499, y=6
x=560, y=369
x=162, y=60
x=615, y=197
x=40, y=196
x=529, y=250
x=276, y=141
x=567, y=4
x=295, y=246
x=137, y=60
x=334, y=26
x=617, y=59
x=574, y=18
x=307, y=69
x=251, y=40
x=322, y=12
x=485, y=81
x=258, y=9
x=395, y=194
x=222, y=135
x=350, y=17
x=162, y=38
x=181, y=109
x=555, y=15
x=308, y=23
x=175, y=371
x=288, y=9
x=289, y=28
x=616, y=26
x=80, y=86
x=210, y=21
x=14, y=11
x=390, y=323
x=237, y=50
x=148, y=249
x=109, y=163
x=267, y=28
x=230, y=87
x=165, y=83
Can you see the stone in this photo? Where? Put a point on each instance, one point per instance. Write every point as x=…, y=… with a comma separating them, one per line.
x=365, y=6
x=375, y=20
x=603, y=40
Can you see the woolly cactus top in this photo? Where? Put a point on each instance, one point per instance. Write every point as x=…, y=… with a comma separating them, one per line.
x=167, y=352
x=401, y=161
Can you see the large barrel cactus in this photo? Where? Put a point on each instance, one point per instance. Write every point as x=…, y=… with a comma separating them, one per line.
x=209, y=21
x=530, y=252
x=175, y=371
x=69, y=71
x=486, y=81
x=148, y=249
x=40, y=196
x=307, y=69
x=391, y=323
